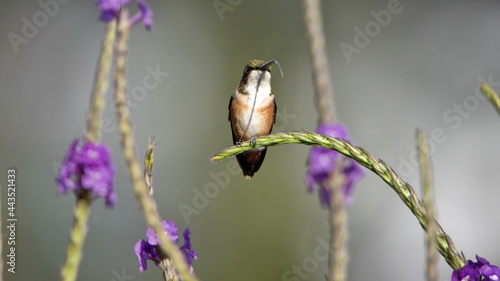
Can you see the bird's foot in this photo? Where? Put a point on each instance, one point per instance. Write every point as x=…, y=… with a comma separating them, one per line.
x=253, y=142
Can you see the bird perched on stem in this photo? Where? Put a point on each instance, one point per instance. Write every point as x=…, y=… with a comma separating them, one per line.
x=252, y=112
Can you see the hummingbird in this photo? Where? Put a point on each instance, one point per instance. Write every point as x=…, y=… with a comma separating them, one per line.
x=252, y=112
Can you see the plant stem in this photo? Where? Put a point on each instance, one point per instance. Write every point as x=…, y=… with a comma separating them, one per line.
x=338, y=255
x=404, y=190
x=426, y=181
x=148, y=206
x=319, y=61
x=168, y=270
x=491, y=95
x=76, y=239
x=148, y=165
x=323, y=93
x=97, y=100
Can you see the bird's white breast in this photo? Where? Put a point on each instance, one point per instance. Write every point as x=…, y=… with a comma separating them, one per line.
x=258, y=87
x=258, y=92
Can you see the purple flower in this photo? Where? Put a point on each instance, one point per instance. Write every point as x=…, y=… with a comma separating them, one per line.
x=145, y=252
x=169, y=226
x=150, y=249
x=322, y=162
x=145, y=15
x=481, y=270
x=110, y=9
x=88, y=169
x=468, y=272
x=186, y=249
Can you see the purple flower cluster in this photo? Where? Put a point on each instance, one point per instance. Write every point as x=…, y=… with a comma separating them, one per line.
x=481, y=270
x=322, y=162
x=150, y=249
x=88, y=169
x=110, y=9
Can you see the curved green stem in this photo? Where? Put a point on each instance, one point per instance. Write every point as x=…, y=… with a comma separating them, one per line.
x=404, y=190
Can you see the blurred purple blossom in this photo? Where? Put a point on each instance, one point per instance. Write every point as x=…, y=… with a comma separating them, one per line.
x=88, y=169
x=322, y=162
x=111, y=8
x=150, y=249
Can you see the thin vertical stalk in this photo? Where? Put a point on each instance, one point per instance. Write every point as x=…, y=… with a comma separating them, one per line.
x=338, y=256
x=135, y=172
x=76, y=239
x=78, y=233
x=428, y=200
x=326, y=111
x=168, y=270
x=97, y=100
x=319, y=61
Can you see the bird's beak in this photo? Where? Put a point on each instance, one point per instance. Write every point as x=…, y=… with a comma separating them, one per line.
x=269, y=64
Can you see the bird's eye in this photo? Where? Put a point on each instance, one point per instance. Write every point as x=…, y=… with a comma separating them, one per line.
x=247, y=69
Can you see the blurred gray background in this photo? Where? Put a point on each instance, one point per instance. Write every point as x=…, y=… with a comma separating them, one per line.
x=421, y=69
